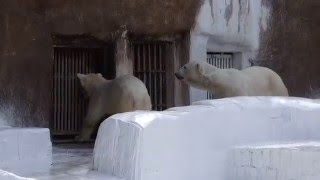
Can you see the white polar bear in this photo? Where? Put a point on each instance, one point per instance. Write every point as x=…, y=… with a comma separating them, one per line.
x=108, y=97
x=252, y=81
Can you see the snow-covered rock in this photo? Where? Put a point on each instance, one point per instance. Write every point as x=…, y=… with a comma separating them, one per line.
x=194, y=142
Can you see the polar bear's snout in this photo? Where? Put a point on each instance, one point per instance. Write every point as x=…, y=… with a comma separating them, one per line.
x=178, y=75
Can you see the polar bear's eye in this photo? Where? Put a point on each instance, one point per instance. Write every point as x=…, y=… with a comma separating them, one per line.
x=184, y=67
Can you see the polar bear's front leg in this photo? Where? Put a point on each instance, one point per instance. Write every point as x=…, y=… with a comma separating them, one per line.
x=86, y=132
x=91, y=119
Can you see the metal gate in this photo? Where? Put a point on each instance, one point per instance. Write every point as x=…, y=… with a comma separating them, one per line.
x=149, y=59
x=220, y=60
x=69, y=107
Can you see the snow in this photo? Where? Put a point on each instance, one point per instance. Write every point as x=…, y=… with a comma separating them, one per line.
x=194, y=142
x=72, y=162
x=4, y=175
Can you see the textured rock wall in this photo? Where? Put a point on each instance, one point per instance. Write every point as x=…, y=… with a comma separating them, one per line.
x=291, y=45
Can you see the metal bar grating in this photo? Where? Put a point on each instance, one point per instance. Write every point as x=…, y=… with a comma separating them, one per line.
x=68, y=108
x=150, y=68
x=220, y=60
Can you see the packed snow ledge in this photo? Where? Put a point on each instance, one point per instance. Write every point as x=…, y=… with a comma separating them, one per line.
x=198, y=141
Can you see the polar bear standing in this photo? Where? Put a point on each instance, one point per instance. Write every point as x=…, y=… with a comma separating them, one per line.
x=123, y=94
x=252, y=81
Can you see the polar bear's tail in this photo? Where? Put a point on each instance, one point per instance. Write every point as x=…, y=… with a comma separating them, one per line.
x=278, y=86
x=146, y=103
x=142, y=104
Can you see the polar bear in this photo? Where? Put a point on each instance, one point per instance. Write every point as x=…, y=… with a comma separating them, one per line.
x=108, y=97
x=251, y=81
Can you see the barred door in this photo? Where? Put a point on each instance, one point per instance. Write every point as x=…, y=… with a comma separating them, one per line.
x=150, y=66
x=220, y=60
x=69, y=106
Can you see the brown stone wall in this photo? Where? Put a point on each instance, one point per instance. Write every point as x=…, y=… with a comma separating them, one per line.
x=26, y=44
x=291, y=45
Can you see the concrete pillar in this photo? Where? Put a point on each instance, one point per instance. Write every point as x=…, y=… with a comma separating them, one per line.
x=124, y=64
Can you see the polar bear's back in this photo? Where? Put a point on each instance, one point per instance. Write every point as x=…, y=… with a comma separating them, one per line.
x=263, y=81
x=123, y=94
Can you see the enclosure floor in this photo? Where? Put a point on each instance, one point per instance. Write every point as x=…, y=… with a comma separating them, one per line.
x=70, y=161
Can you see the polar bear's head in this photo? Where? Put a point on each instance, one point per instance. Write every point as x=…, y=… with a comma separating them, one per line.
x=90, y=81
x=195, y=74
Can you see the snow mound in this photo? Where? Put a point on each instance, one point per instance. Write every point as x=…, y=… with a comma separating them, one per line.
x=194, y=142
x=23, y=149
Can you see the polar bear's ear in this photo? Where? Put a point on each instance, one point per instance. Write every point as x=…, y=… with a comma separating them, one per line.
x=81, y=76
x=99, y=74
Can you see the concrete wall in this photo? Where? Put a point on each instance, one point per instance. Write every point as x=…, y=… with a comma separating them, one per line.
x=228, y=26
x=26, y=44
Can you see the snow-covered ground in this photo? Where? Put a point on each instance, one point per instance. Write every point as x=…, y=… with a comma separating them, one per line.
x=229, y=139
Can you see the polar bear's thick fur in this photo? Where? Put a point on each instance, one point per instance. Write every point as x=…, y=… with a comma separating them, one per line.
x=108, y=97
x=252, y=81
